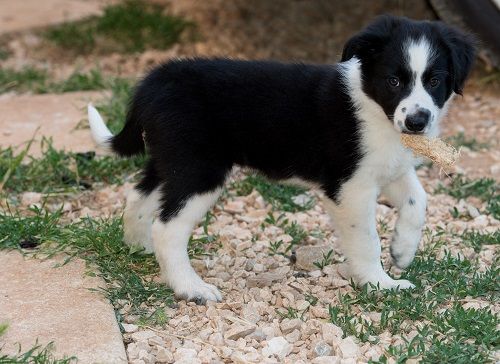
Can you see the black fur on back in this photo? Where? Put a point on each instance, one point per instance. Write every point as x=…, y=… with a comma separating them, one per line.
x=201, y=117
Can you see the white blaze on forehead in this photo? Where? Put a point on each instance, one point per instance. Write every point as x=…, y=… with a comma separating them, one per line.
x=418, y=54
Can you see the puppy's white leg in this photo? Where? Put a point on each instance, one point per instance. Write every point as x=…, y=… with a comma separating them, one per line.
x=171, y=239
x=354, y=218
x=138, y=218
x=408, y=195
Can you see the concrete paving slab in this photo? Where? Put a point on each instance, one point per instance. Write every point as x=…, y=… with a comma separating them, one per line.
x=57, y=116
x=44, y=303
x=21, y=15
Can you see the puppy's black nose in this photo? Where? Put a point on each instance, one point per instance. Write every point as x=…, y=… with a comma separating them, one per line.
x=417, y=121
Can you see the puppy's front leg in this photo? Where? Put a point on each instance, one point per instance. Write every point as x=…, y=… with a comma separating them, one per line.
x=354, y=217
x=407, y=194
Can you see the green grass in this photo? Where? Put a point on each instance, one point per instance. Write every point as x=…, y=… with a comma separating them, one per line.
x=129, y=274
x=446, y=332
x=36, y=355
x=291, y=228
x=206, y=243
x=280, y=196
x=461, y=140
x=60, y=171
x=3, y=328
x=476, y=239
x=129, y=26
x=38, y=81
x=486, y=189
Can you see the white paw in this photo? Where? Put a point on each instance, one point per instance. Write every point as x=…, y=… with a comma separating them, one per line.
x=393, y=284
x=196, y=290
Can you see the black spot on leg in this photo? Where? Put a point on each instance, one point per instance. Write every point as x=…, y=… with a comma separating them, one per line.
x=411, y=201
x=353, y=226
x=403, y=109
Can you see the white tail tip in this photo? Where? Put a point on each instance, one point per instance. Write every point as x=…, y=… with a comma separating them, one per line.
x=100, y=132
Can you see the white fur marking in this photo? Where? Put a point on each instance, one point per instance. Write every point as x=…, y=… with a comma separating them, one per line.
x=384, y=160
x=138, y=218
x=418, y=55
x=100, y=132
x=170, y=240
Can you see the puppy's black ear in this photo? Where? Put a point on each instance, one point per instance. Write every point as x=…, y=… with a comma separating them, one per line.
x=371, y=40
x=462, y=48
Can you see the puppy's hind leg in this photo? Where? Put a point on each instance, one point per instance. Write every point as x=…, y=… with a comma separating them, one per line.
x=171, y=236
x=142, y=204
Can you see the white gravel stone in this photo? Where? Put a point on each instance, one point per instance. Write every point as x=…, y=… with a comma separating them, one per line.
x=237, y=331
x=130, y=328
x=143, y=335
x=289, y=325
x=277, y=346
x=163, y=355
x=308, y=255
x=348, y=347
x=326, y=360
x=331, y=332
x=30, y=198
x=321, y=348
x=185, y=354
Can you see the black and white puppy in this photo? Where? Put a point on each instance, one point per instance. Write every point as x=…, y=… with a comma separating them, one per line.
x=334, y=127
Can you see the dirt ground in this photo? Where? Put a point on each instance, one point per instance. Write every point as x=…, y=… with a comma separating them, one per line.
x=245, y=328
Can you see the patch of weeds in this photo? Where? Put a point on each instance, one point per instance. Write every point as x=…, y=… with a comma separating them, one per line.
x=433, y=309
x=79, y=81
x=460, y=140
x=476, y=239
x=4, y=53
x=289, y=313
x=205, y=243
x=327, y=260
x=281, y=196
x=293, y=229
x=3, y=328
x=39, y=226
x=459, y=215
x=36, y=355
x=27, y=79
x=38, y=81
x=486, y=189
x=129, y=26
x=58, y=170
x=114, y=108
x=129, y=274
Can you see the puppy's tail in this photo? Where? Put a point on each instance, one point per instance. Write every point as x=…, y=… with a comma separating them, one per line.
x=126, y=143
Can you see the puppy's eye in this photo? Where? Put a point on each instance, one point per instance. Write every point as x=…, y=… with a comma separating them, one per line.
x=434, y=82
x=393, y=81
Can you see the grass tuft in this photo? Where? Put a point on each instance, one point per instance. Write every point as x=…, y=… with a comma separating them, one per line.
x=442, y=330
x=38, y=81
x=486, y=189
x=129, y=26
x=279, y=195
x=60, y=171
x=461, y=140
x=36, y=355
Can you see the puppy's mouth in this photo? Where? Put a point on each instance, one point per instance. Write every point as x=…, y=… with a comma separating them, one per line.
x=409, y=132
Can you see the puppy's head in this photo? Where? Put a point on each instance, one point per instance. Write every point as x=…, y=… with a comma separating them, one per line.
x=411, y=69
